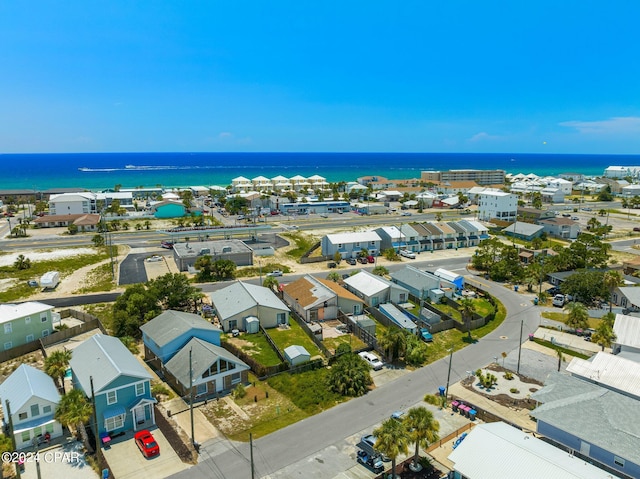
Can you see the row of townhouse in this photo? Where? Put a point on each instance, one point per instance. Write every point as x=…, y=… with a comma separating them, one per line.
x=278, y=183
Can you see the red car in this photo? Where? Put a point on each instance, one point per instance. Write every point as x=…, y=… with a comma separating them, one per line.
x=371, y=259
x=146, y=443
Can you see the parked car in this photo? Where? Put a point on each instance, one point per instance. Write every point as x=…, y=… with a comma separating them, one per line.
x=33, y=283
x=362, y=260
x=405, y=213
x=575, y=218
x=167, y=244
x=332, y=264
x=637, y=228
x=397, y=415
x=407, y=254
x=146, y=443
x=371, y=259
x=351, y=261
x=426, y=335
x=566, y=215
x=372, y=360
x=586, y=209
x=373, y=461
x=154, y=258
x=275, y=273
x=553, y=291
x=558, y=300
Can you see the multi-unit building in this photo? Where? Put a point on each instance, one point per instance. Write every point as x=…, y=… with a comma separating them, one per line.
x=482, y=177
x=25, y=322
x=349, y=245
x=496, y=204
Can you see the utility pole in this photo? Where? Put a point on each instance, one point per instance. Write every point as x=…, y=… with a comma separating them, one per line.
x=446, y=391
x=193, y=440
x=251, y=454
x=520, y=346
x=95, y=419
x=12, y=436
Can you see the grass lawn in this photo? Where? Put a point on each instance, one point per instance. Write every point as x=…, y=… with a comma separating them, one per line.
x=303, y=244
x=294, y=335
x=483, y=307
x=562, y=318
x=451, y=311
x=356, y=343
x=257, y=346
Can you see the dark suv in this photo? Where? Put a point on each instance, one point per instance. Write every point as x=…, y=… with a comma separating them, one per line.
x=351, y=261
x=332, y=264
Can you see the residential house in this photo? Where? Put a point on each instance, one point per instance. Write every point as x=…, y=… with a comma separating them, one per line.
x=239, y=301
x=565, y=186
x=348, y=302
x=25, y=322
x=449, y=234
x=422, y=284
x=107, y=198
x=533, y=215
x=241, y=184
x=496, y=204
x=627, y=331
x=622, y=171
x=33, y=397
x=311, y=299
x=103, y=367
x=168, y=332
x=186, y=254
x=560, y=227
x=630, y=191
x=349, y=245
x=552, y=195
x=84, y=222
x=524, y=231
x=375, y=290
x=461, y=234
x=627, y=297
x=476, y=231
x=595, y=422
x=213, y=369
x=391, y=238
x=451, y=277
x=72, y=204
x=611, y=371
x=516, y=453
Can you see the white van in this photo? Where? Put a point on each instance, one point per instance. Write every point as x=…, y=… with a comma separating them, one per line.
x=407, y=254
x=558, y=300
x=372, y=360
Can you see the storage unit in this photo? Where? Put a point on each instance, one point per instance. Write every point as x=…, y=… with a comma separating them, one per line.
x=252, y=324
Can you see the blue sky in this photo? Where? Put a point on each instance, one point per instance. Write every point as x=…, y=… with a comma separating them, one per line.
x=412, y=76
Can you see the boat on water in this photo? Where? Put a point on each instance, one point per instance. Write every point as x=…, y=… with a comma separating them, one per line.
x=130, y=167
x=84, y=168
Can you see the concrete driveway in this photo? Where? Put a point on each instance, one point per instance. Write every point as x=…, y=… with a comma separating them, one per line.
x=61, y=462
x=126, y=460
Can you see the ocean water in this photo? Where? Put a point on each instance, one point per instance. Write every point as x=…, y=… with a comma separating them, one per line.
x=97, y=171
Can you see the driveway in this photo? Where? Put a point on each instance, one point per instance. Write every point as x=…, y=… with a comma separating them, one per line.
x=126, y=460
x=61, y=462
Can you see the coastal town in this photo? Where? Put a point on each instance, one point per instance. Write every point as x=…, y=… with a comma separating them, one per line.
x=295, y=327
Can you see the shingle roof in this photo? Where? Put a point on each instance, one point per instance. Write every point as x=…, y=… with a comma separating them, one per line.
x=339, y=290
x=240, y=296
x=104, y=358
x=25, y=383
x=204, y=354
x=171, y=324
x=308, y=291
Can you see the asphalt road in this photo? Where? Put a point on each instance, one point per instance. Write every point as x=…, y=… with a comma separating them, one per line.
x=300, y=449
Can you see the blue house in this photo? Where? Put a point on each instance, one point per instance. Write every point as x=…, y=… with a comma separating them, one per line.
x=168, y=332
x=121, y=385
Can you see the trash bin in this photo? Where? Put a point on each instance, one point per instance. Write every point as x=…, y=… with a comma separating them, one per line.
x=515, y=288
x=441, y=390
x=535, y=301
x=472, y=414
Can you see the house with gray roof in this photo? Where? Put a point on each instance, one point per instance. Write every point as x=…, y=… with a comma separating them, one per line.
x=349, y=245
x=186, y=254
x=239, y=301
x=375, y=290
x=104, y=367
x=524, y=231
x=391, y=237
x=33, y=398
x=597, y=423
x=611, y=371
x=627, y=297
x=215, y=370
x=23, y=323
x=168, y=332
x=627, y=331
x=560, y=227
x=422, y=284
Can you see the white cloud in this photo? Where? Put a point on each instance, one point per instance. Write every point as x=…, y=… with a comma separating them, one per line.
x=629, y=125
x=225, y=134
x=484, y=136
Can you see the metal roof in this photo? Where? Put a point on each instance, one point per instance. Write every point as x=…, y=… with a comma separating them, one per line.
x=369, y=284
x=609, y=371
x=104, y=358
x=632, y=293
x=499, y=451
x=203, y=355
x=361, y=237
x=627, y=329
x=239, y=297
x=9, y=312
x=171, y=324
x=25, y=383
x=295, y=351
x=594, y=414
x=420, y=280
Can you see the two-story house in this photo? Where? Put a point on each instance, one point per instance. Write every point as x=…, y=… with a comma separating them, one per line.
x=349, y=245
x=25, y=322
x=375, y=290
x=311, y=299
x=33, y=398
x=104, y=367
x=72, y=204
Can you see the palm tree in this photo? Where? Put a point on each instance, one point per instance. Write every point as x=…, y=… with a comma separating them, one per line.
x=560, y=358
x=394, y=342
x=392, y=438
x=604, y=335
x=56, y=365
x=467, y=308
x=423, y=430
x=75, y=410
x=611, y=280
x=333, y=276
x=22, y=262
x=578, y=317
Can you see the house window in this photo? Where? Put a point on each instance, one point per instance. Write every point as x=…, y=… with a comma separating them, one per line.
x=358, y=245
x=27, y=320
x=114, y=423
x=29, y=338
x=43, y=318
x=112, y=397
x=22, y=416
x=139, y=389
x=339, y=245
x=233, y=324
x=282, y=318
x=46, y=409
x=618, y=461
x=8, y=345
x=235, y=378
x=402, y=297
x=372, y=243
x=49, y=428
x=201, y=389
x=35, y=410
x=26, y=436
x=7, y=328
x=45, y=333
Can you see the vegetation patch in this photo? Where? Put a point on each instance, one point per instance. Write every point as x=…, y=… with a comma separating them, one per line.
x=555, y=347
x=303, y=243
x=309, y=390
x=256, y=346
x=283, y=338
x=97, y=280
x=253, y=271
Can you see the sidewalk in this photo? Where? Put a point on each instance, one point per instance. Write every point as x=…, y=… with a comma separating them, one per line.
x=570, y=341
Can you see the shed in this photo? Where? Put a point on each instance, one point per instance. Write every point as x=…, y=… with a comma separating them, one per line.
x=251, y=324
x=366, y=323
x=296, y=355
x=450, y=276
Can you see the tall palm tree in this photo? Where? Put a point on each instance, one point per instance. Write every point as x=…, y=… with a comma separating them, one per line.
x=612, y=279
x=467, y=308
x=604, y=335
x=392, y=438
x=56, y=365
x=423, y=429
x=578, y=317
x=75, y=410
x=394, y=342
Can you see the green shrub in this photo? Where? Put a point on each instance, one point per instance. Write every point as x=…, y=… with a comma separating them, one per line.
x=508, y=376
x=239, y=392
x=514, y=390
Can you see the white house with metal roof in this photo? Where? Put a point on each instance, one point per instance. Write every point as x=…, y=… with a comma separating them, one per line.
x=349, y=245
x=72, y=203
x=499, y=451
x=496, y=204
x=239, y=301
x=119, y=382
x=598, y=423
x=33, y=398
x=627, y=331
x=375, y=290
x=423, y=284
x=610, y=371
